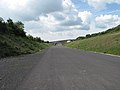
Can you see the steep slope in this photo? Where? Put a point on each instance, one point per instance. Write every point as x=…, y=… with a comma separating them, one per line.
x=14, y=41
x=107, y=42
x=11, y=45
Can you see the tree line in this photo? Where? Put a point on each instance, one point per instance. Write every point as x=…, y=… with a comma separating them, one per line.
x=15, y=28
x=112, y=30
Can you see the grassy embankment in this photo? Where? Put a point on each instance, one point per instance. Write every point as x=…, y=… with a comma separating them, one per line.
x=105, y=42
x=11, y=45
x=14, y=41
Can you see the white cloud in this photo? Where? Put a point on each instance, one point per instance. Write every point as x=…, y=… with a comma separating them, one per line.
x=54, y=36
x=59, y=25
x=105, y=21
x=29, y=9
x=101, y=4
x=65, y=21
x=85, y=16
x=57, y=19
x=13, y=4
x=68, y=5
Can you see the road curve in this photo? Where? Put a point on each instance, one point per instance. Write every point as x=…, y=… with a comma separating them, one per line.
x=61, y=68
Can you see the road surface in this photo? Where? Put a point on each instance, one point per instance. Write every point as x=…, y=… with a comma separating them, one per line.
x=59, y=68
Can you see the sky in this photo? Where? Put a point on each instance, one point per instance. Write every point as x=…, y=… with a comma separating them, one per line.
x=54, y=20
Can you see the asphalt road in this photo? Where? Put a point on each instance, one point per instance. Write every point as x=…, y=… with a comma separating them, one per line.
x=59, y=68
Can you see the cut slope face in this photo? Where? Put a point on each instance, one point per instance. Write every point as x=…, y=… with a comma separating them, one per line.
x=11, y=45
x=109, y=42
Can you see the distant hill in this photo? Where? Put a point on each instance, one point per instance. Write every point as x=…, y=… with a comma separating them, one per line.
x=105, y=42
x=14, y=41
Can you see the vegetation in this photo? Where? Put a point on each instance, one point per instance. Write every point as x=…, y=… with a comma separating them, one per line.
x=112, y=30
x=105, y=42
x=14, y=41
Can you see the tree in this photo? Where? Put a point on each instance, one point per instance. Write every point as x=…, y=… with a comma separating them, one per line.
x=3, y=27
x=16, y=28
x=19, y=26
x=1, y=20
x=79, y=38
x=30, y=37
x=88, y=36
x=10, y=26
x=38, y=39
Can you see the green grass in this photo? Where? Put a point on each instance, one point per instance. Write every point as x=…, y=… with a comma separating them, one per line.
x=11, y=45
x=107, y=43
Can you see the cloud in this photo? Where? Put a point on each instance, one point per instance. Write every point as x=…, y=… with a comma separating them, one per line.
x=59, y=25
x=62, y=21
x=71, y=20
x=29, y=9
x=54, y=36
x=101, y=4
x=58, y=19
x=105, y=21
x=85, y=16
x=86, y=19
